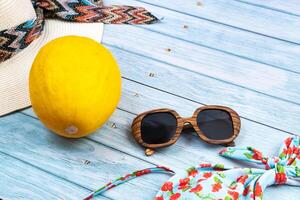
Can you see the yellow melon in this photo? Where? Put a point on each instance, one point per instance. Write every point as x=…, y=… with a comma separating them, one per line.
x=74, y=85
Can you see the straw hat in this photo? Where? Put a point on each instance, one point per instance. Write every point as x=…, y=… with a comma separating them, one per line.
x=15, y=70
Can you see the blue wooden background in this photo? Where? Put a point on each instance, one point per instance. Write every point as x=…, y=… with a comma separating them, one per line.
x=244, y=54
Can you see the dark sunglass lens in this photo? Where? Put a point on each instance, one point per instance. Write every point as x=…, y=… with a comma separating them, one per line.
x=215, y=124
x=158, y=128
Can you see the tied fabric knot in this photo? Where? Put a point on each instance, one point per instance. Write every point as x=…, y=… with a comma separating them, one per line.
x=281, y=169
x=15, y=39
x=218, y=181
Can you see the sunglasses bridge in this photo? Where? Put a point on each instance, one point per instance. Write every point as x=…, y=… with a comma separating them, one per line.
x=188, y=123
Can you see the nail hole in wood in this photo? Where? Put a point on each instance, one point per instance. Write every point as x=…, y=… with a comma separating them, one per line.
x=87, y=162
x=151, y=74
x=199, y=3
x=113, y=125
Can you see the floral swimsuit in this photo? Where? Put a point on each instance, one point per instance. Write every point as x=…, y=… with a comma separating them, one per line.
x=216, y=181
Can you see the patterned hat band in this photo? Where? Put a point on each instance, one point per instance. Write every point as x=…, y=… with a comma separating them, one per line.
x=14, y=39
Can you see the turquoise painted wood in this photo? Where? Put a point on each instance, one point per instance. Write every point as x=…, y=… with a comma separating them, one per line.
x=231, y=69
x=239, y=53
x=250, y=104
x=290, y=7
x=20, y=180
x=239, y=15
x=225, y=39
x=83, y=162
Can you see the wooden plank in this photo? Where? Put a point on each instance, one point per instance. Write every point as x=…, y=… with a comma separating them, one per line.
x=22, y=181
x=82, y=161
x=289, y=7
x=239, y=15
x=149, y=98
x=66, y=158
x=223, y=38
x=220, y=66
x=207, y=90
x=188, y=150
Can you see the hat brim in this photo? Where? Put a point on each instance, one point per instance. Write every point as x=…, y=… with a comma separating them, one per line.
x=14, y=72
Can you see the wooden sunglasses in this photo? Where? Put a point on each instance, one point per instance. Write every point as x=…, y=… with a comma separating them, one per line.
x=210, y=123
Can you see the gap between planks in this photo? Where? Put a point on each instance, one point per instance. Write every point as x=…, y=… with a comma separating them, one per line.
x=46, y=171
x=147, y=85
x=98, y=136
x=107, y=161
x=269, y=8
x=60, y=187
x=245, y=55
x=205, y=75
x=220, y=50
x=264, y=73
x=97, y=142
x=219, y=22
